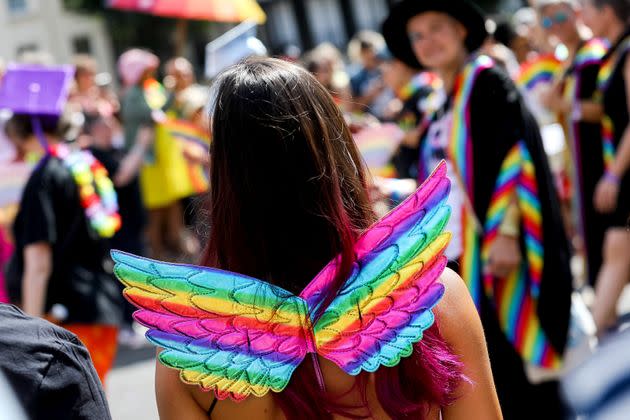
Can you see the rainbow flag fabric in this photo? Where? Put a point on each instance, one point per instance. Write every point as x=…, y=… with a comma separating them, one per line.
x=241, y=336
x=377, y=145
x=193, y=141
x=543, y=69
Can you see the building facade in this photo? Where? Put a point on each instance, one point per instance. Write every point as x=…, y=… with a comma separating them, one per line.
x=306, y=23
x=44, y=26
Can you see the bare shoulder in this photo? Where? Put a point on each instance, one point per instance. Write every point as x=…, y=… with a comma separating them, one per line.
x=461, y=328
x=456, y=313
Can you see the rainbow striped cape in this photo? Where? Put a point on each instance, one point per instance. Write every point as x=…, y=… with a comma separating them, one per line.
x=516, y=297
x=241, y=336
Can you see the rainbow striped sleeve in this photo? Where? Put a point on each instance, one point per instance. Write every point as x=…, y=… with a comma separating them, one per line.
x=222, y=330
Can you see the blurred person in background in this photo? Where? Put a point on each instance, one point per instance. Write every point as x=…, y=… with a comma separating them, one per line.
x=179, y=74
x=27, y=148
x=49, y=370
x=61, y=268
x=6, y=250
x=181, y=81
x=515, y=38
x=326, y=64
x=493, y=149
x=610, y=19
x=123, y=168
x=189, y=129
x=571, y=98
x=143, y=109
x=417, y=95
x=526, y=24
x=87, y=93
x=369, y=93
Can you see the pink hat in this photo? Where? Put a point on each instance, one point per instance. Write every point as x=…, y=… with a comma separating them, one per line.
x=133, y=63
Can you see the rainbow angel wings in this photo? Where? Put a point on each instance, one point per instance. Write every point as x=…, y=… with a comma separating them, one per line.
x=242, y=336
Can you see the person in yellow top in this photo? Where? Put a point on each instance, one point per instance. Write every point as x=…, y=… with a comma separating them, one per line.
x=144, y=106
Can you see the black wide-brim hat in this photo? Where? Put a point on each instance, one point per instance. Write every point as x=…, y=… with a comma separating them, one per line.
x=464, y=11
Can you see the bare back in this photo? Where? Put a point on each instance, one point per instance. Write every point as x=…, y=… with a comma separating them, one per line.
x=459, y=325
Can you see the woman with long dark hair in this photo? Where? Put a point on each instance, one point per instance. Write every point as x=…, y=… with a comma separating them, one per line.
x=508, y=240
x=610, y=19
x=572, y=100
x=288, y=194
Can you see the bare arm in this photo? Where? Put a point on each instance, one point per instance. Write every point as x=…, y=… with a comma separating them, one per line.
x=175, y=399
x=37, y=270
x=622, y=157
x=591, y=111
x=554, y=100
x=461, y=328
x=131, y=163
x=607, y=191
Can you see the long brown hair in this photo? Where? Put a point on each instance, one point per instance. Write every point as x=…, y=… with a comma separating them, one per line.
x=288, y=194
x=288, y=190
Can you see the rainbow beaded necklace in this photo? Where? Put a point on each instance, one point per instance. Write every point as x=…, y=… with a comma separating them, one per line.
x=96, y=190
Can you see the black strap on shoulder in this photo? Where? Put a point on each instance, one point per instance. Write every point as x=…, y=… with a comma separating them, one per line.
x=214, y=402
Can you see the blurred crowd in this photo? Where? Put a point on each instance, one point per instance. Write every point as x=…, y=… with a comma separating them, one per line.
x=149, y=127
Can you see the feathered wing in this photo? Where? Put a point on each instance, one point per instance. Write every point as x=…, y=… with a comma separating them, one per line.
x=241, y=336
x=385, y=305
x=224, y=331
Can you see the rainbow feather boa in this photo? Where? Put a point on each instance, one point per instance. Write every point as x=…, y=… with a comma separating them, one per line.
x=515, y=298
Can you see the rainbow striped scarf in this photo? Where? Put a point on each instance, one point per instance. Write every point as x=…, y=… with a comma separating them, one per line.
x=590, y=53
x=603, y=81
x=515, y=297
x=460, y=153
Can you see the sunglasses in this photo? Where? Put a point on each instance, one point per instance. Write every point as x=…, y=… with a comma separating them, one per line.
x=557, y=19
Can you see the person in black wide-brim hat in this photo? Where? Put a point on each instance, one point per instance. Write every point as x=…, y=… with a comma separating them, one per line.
x=464, y=12
x=508, y=240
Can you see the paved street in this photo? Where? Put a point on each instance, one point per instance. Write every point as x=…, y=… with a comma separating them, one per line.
x=130, y=385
